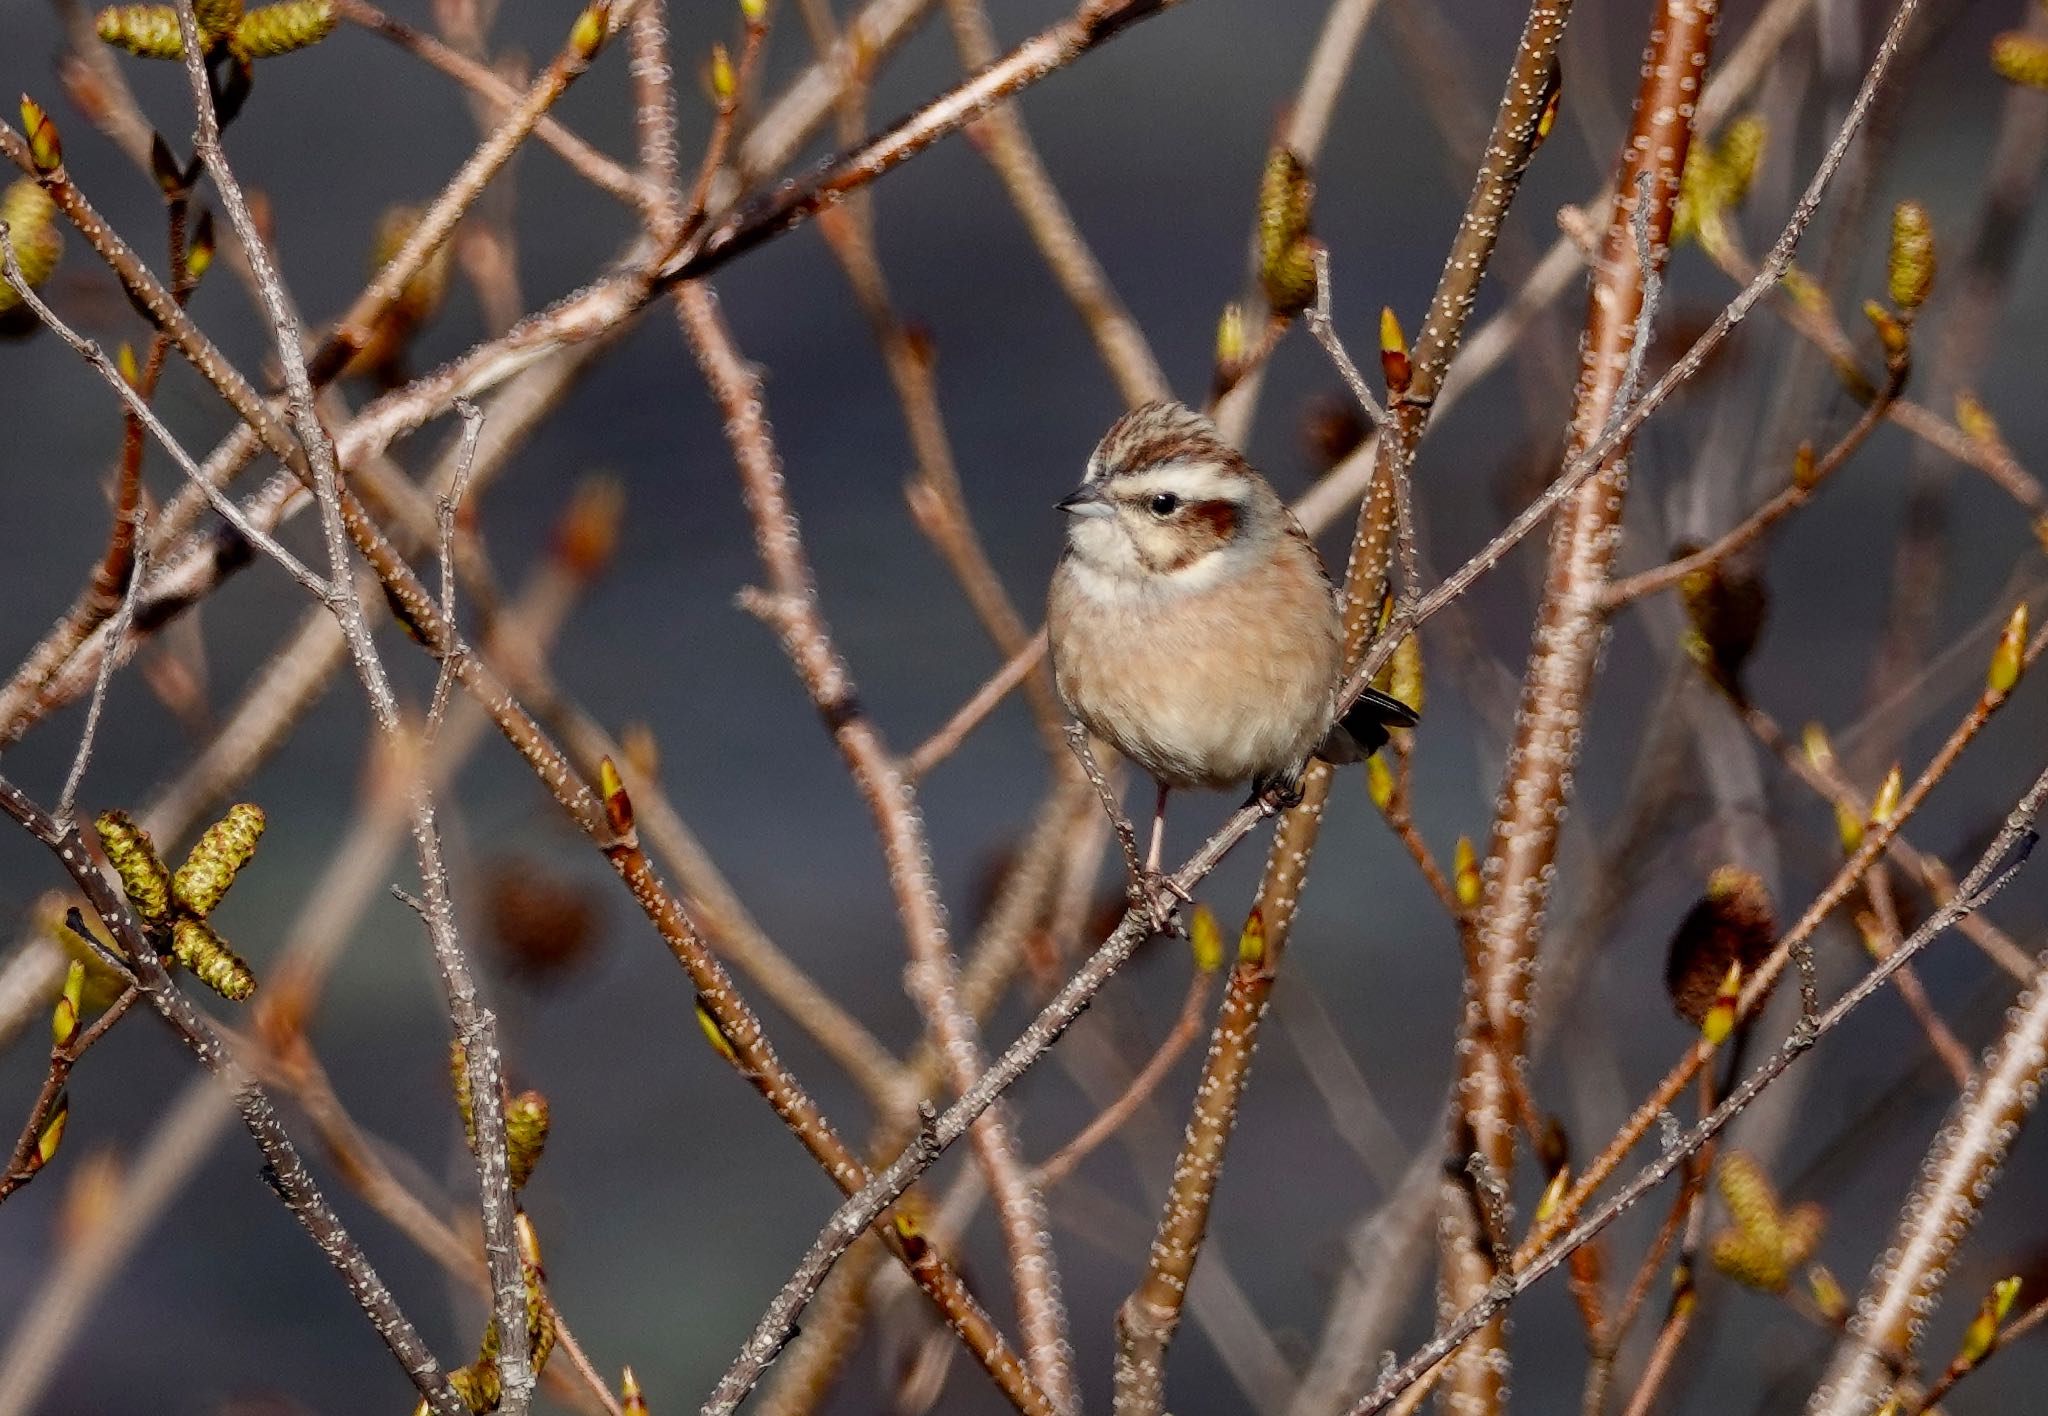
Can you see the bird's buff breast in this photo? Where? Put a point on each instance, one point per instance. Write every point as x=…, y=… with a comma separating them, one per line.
x=1204, y=689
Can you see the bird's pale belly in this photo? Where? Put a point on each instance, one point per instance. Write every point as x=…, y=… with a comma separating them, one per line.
x=1196, y=699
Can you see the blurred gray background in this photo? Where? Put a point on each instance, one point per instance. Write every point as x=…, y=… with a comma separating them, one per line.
x=671, y=1203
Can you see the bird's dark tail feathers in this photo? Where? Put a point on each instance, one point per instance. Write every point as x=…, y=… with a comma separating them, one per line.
x=1363, y=730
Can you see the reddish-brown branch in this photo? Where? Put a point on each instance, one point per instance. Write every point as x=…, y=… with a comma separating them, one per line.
x=23, y=1164
x=1521, y=857
x=1796, y=494
x=790, y=606
x=286, y=1170
x=595, y=167
x=1186, y=1028
x=1093, y=23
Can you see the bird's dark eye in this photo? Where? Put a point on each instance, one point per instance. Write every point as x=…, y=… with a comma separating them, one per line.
x=1164, y=504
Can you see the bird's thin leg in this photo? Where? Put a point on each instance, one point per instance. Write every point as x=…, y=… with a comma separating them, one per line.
x=1158, y=851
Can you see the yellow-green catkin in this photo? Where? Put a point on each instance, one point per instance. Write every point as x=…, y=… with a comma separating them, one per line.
x=225, y=847
x=1287, y=267
x=526, y=1134
x=32, y=224
x=217, y=18
x=2020, y=58
x=195, y=945
x=147, y=31
x=136, y=862
x=1716, y=179
x=1909, y=270
x=280, y=29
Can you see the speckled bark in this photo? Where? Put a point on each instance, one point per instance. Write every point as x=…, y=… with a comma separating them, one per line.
x=1565, y=658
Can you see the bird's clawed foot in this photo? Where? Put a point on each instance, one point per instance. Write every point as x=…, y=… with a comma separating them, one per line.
x=1158, y=897
x=1275, y=795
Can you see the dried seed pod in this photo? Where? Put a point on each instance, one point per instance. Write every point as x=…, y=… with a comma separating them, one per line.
x=543, y=926
x=1287, y=266
x=1731, y=925
x=588, y=532
x=134, y=858
x=147, y=31
x=195, y=945
x=1332, y=430
x=223, y=849
x=1725, y=610
x=280, y=29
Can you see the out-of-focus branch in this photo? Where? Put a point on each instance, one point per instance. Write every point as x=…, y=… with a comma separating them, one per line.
x=790, y=607
x=938, y=502
x=286, y=1171
x=1797, y=493
x=1994, y=868
x=1521, y=857
x=355, y=874
x=1956, y=1178
x=1093, y=23
x=585, y=315
x=1147, y=1319
x=1827, y=782
x=595, y=167
x=474, y=1026
x=1004, y=141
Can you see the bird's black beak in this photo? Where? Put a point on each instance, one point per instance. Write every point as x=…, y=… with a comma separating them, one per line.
x=1084, y=500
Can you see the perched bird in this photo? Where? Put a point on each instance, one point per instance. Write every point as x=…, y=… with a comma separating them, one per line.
x=1192, y=625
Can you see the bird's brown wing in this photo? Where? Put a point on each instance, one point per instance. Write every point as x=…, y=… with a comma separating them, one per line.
x=1367, y=721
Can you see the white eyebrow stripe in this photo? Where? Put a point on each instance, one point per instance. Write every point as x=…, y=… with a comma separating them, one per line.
x=1190, y=479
